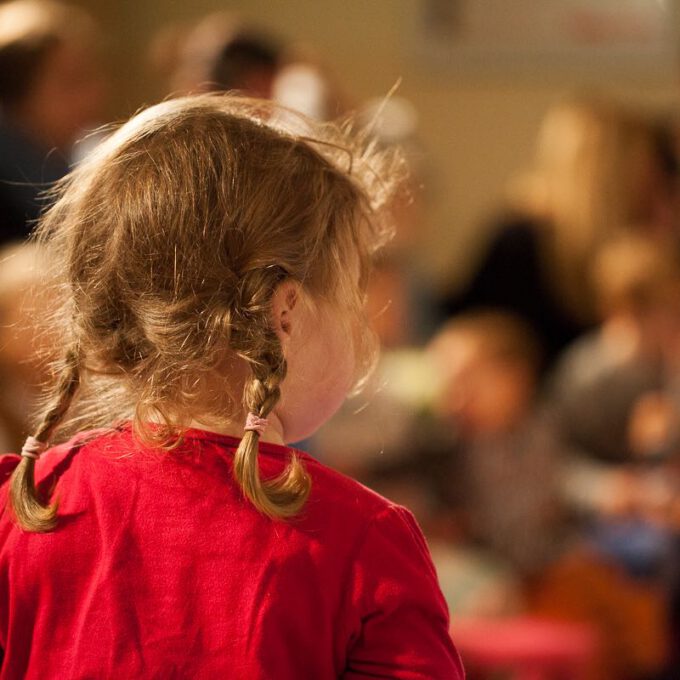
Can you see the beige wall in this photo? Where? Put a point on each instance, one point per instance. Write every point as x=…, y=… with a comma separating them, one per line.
x=476, y=133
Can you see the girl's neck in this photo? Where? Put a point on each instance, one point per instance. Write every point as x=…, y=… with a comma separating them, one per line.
x=273, y=434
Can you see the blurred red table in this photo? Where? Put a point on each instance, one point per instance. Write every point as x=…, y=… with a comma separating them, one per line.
x=532, y=649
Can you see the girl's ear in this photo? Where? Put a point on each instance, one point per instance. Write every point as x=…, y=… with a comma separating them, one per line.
x=285, y=308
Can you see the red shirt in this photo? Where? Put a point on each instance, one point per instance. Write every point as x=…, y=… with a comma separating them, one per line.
x=159, y=568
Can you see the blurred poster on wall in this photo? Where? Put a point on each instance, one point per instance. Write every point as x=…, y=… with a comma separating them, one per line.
x=599, y=38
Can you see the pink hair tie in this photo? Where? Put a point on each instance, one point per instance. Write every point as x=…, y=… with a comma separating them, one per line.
x=255, y=424
x=32, y=448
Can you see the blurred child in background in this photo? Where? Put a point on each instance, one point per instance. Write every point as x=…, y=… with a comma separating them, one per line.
x=479, y=465
x=600, y=377
x=505, y=464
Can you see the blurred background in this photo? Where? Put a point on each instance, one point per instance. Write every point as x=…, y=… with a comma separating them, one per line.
x=527, y=404
x=477, y=122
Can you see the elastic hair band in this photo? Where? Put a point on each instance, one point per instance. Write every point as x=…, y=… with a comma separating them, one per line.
x=32, y=448
x=255, y=424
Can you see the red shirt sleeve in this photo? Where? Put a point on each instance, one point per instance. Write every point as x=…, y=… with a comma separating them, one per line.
x=404, y=629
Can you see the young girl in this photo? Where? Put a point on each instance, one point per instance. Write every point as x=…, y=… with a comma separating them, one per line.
x=212, y=269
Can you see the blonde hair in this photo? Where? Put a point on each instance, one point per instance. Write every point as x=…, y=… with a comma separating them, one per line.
x=169, y=243
x=586, y=182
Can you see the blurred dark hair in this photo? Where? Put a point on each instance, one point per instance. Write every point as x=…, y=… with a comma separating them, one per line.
x=244, y=52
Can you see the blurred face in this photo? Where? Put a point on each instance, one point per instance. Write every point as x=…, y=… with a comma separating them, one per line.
x=483, y=396
x=66, y=99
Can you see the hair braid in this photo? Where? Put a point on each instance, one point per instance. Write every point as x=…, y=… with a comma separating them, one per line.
x=286, y=494
x=31, y=512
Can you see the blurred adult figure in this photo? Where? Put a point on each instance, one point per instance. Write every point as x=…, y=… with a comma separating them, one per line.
x=221, y=51
x=51, y=91
x=218, y=52
x=598, y=170
x=248, y=62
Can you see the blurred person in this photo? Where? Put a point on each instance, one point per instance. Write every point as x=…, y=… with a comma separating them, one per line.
x=505, y=464
x=611, y=401
x=478, y=439
x=597, y=170
x=476, y=464
x=639, y=528
x=51, y=92
x=247, y=62
x=599, y=379
x=219, y=52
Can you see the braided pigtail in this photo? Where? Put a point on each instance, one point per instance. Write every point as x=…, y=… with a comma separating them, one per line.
x=285, y=495
x=30, y=510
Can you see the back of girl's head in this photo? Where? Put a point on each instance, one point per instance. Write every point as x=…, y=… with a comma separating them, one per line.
x=169, y=243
